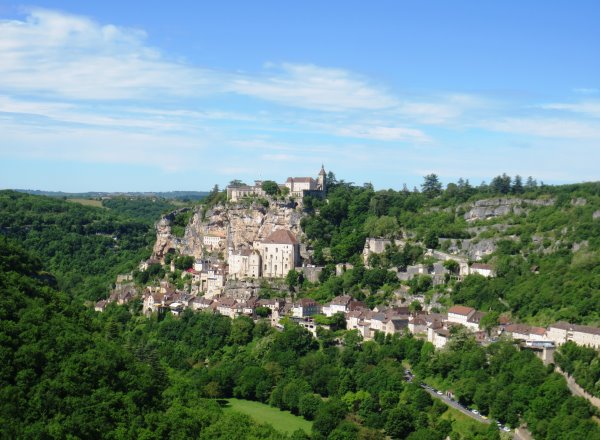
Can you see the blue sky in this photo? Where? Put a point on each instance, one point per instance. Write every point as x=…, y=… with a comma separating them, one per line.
x=156, y=96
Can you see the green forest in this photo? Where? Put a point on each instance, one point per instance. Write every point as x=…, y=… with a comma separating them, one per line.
x=69, y=372
x=84, y=247
x=565, y=286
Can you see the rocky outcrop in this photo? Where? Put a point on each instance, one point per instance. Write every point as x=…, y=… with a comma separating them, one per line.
x=239, y=226
x=165, y=240
x=497, y=207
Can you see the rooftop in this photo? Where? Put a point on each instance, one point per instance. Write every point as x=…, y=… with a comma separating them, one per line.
x=281, y=236
x=461, y=310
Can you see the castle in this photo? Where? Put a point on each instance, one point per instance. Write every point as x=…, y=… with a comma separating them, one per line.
x=297, y=187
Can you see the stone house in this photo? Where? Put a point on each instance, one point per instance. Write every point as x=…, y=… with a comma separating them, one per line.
x=280, y=254
x=562, y=332
x=227, y=307
x=482, y=269
x=244, y=263
x=460, y=314
x=417, y=324
x=473, y=322
x=339, y=304
x=305, y=307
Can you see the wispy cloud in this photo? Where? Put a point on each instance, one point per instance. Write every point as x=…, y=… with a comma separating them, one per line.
x=315, y=87
x=75, y=90
x=586, y=90
x=545, y=127
x=587, y=108
x=382, y=133
x=72, y=57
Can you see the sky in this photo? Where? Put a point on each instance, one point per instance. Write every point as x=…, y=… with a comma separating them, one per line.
x=182, y=95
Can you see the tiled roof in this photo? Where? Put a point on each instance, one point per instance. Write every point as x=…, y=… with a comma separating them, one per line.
x=476, y=317
x=461, y=310
x=300, y=179
x=481, y=266
x=281, y=236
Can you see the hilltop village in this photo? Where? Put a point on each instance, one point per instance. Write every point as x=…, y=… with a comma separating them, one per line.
x=246, y=260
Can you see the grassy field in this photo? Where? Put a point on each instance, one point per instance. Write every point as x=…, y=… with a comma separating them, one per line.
x=283, y=421
x=464, y=424
x=87, y=202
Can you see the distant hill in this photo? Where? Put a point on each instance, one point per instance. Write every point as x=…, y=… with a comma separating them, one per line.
x=176, y=195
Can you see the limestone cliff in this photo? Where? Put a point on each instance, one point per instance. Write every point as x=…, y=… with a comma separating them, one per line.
x=239, y=226
x=497, y=207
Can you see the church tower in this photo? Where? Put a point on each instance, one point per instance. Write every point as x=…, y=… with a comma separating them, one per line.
x=322, y=179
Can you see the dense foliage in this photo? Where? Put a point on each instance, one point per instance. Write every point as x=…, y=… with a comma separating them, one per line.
x=68, y=373
x=583, y=363
x=84, y=247
x=546, y=257
x=140, y=208
x=510, y=385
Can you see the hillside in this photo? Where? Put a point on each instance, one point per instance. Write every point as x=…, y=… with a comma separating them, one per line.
x=84, y=247
x=543, y=243
x=66, y=373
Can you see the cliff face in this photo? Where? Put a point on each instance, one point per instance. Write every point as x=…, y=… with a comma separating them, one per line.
x=497, y=207
x=238, y=225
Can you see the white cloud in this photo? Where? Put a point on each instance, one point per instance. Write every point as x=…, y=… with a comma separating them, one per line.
x=382, y=133
x=59, y=55
x=72, y=57
x=587, y=108
x=314, y=87
x=443, y=109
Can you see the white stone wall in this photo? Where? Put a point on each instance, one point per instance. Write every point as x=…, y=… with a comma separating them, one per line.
x=277, y=259
x=581, y=338
x=458, y=319
x=557, y=335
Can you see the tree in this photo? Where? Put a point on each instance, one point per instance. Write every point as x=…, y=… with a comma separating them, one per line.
x=270, y=187
x=262, y=311
x=384, y=226
x=501, y=184
x=489, y=321
x=328, y=416
x=292, y=279
x=531, y=184
x=431, y=186
x=451, y=266
x=400, y=422
x=309, y=405
x=237, y=183
x=517, y=187
x=241, y=330
x=431, y=240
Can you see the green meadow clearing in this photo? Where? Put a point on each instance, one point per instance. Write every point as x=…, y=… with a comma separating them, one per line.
x=283, y=421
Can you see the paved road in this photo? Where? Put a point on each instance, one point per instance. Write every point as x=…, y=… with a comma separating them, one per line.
x=518, y=434
x=456, y=406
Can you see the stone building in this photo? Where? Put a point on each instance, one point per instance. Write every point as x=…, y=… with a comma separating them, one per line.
x=297, y=186
x=245, y=263
x=280, y=253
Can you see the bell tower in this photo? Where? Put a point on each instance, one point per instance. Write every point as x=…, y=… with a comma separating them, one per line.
x=322, y=179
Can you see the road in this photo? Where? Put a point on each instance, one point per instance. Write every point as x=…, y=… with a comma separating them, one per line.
x=456, y=405
x=519, y=434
